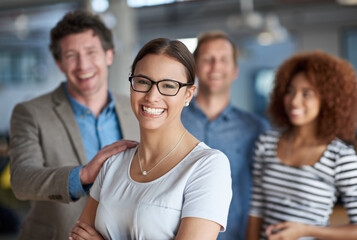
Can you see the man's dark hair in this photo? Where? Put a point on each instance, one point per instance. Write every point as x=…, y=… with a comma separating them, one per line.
x=77, y=22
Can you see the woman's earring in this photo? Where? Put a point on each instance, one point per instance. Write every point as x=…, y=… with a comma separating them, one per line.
x=187, y=103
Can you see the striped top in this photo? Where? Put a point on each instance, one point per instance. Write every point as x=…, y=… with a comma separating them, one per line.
x=303, y=194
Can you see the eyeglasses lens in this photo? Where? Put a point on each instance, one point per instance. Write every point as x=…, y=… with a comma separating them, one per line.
x=166, y=87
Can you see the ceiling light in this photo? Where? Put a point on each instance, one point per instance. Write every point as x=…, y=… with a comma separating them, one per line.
x=100, y=5
x=254, y=20
x=265, y=38
x=21, y=26
x=347, y=2
x=273, y=31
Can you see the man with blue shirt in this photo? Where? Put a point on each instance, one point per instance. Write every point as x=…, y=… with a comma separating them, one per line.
x=211, y=118
x=55, y=138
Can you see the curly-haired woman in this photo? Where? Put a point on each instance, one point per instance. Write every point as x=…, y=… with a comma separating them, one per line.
x=300, y=170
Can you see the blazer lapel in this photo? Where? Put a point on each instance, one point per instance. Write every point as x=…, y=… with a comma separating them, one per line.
x=64, y=112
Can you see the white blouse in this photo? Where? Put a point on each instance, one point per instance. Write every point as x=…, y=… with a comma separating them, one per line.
x=198, y=186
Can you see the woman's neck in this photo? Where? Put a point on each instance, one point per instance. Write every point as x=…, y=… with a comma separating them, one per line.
x=300, y=146
x=303, y=135
x=155, y=144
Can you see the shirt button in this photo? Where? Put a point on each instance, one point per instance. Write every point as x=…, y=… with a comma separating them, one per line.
x=98, y=128
x=81, y=116
x=88, y=112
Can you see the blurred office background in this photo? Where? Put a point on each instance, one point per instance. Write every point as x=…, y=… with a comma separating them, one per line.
x=265, y=31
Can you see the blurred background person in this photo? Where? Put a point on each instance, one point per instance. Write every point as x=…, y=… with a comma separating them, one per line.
x=172, y=186
x=300, y=170
x=54, y=138
x=212, y=118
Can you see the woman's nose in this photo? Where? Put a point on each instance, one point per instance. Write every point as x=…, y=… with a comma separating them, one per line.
x=295, y=99
x=153, y=94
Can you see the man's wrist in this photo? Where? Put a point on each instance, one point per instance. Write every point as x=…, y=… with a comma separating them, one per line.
x=83, y=175
x=76, y=188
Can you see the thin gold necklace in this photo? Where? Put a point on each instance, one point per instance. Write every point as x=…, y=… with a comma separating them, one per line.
x=146, y=172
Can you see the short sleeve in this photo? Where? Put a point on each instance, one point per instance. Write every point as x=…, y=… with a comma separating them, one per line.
x=346, y=181
x=208, y=192
x=256, y=204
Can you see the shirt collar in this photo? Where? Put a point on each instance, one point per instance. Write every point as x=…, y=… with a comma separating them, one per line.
x=80, y=109
x=226, y=114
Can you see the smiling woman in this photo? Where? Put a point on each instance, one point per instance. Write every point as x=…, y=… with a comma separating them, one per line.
x=300, y=171
x=170, y=177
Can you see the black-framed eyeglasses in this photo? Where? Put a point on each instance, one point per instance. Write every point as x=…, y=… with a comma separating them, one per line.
x=166, y=87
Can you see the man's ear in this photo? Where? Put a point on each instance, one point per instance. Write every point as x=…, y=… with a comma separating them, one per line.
x=236, y=73
x=59, y=65
x=109, y=56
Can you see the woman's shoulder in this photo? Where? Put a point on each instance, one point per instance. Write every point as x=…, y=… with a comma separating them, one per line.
x=209, y=163
x=208, y=157
x=270, y=134
x=342, y=159
x=269, y=137
x=339, y=144
x=340, y=148
x=205, y=151
x=120, y=158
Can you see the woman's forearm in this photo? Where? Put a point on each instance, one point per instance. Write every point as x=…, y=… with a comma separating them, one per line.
x=254, y=228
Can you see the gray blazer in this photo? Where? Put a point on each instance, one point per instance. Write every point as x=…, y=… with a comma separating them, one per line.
x=45, y=145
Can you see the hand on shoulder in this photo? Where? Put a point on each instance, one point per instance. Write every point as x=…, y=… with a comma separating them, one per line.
x=90, y=171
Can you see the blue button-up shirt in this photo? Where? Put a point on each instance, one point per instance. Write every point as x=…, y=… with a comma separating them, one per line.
x=95, y=132
x=233, y=132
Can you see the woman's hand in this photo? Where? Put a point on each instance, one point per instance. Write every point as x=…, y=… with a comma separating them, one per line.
x=286, y=231
x=83, y=231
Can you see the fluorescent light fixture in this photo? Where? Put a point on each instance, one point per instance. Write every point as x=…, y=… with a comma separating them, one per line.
x=347, y=2
x=273, y=31
x=147, y=3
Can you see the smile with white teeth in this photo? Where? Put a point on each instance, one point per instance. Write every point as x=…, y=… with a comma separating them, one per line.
x=215, y=76
x=86, y=75
x=297, y=111
x=154, y=111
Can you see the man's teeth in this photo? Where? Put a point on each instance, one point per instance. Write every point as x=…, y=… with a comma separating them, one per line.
x=215, y=76
x=153, y=110
x=86, y=75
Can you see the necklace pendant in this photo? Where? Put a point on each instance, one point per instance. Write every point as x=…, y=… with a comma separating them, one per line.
x=144, y=173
